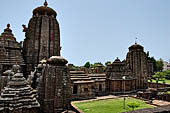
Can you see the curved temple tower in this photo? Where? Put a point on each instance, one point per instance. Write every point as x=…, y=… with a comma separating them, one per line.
x=138, y=64
x=42, y=36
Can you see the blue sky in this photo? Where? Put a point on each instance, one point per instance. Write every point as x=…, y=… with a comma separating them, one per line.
x=99, y=30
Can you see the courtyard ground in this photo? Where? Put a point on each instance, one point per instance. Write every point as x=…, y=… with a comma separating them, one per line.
x=107, y=105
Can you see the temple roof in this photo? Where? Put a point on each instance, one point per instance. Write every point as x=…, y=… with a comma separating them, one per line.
x=136, y=46
x=10, y=49
x=7, y=34
x=17, y=80
x=117, y=60
x=57, y=60
x=18, y=94
x=42, y=10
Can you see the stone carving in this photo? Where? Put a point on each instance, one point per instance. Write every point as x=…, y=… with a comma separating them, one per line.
x=54, y=88
x=42, y=37
x=10, y=50
x=135, y=68
x=18, y=96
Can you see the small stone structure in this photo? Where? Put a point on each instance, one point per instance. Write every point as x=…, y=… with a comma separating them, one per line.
x=99, y=85
x=151, y=93
x=115, y=82
x=54, y=89
x=86, y=86
x=18, y=97
x=82, y=85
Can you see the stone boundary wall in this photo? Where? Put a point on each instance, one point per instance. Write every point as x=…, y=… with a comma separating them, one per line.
x=157, y=85
x=75, y=108
x=162, y=109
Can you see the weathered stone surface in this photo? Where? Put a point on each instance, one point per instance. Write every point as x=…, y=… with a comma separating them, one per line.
x=135, y=69
x=10, y=51
x=18, y=96
x=42, y=37
x=55, y=87
x=138, y=64
x=57, y=60
x=81, y=85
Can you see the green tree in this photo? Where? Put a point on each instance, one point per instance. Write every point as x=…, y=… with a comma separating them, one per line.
x=87, y=65
x=159, y=64
x=159, y=76
x=108, y=62
x=167, y=74
x=133, y=105
x=153, y=60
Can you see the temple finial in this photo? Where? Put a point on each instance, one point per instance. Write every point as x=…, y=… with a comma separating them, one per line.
x=8, y=26
x=136, y=38
x=45, y=3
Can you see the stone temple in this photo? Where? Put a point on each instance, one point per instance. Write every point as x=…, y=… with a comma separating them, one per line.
x=18, y=97
x=135, y=69
x=55, y=83
x=42, y=37
x=10, y=51
x=10, y=54
x=42, y=42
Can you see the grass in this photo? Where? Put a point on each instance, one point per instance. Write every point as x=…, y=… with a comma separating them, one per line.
x=161, y=81
x=110, y=106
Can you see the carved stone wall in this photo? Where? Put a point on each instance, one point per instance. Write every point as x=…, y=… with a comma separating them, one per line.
x=138, y=64
x=42, y=37
x=55, y=87
x=10, y=51
x=135, y=68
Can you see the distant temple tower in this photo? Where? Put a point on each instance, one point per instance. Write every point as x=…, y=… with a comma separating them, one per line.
x=129, y=75
x=42, y=37
x=10, y=51
x=138, y=64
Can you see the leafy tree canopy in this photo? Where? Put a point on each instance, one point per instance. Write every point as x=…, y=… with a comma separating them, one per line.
x=162, y=75
x=157, y=64
x=108, y=62
x=87, y=65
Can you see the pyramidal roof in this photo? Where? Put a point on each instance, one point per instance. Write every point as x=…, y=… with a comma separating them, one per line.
x=18, y=94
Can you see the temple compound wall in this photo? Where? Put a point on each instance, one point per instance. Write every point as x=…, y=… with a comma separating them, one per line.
x=162, y=109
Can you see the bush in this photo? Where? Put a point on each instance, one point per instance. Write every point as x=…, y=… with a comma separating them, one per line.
x=133, y=105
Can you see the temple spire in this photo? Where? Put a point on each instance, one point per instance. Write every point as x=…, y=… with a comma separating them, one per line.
x=45, y=3
x=8, y=26
x=136, y=38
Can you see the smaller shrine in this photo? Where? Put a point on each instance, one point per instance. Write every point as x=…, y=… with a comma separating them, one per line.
x=18, y=97
x=119, y=79
x=10, y=51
